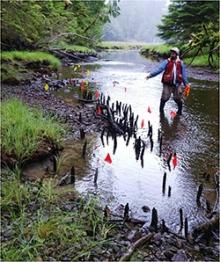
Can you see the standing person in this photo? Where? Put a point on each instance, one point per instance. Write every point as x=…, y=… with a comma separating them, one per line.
x=174, y=75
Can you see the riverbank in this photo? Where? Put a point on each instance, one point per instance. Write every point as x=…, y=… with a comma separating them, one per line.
x=60, y=225
x=160, y=51
x=52, y=227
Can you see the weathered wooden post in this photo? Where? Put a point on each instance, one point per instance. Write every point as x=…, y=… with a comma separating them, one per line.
x=151, y=143
x=126, y=212
x=84, y=149
x=169, y=191
x=82, y=133
x=163, y=227
x=102, y=135
x=164, y=182
x=161, y=143
x=80, y=117
x=186, y=227
x=115, y=143
x=168, y=161
x=72, y=175
x=96, y=176
x=181, y=218
x=199, y=193
x=154, y=220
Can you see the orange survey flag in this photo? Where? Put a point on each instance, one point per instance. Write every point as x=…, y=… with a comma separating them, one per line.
x=82, y=86
x=108, y=159
x=97, y=94
x=186, y=90
x=174, y=160
x=172, y=114
x=149, y=110
x=99, y=110
x=142, y=123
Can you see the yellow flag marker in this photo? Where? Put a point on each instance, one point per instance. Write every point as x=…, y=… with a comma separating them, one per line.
x=88, y=72
x=46, y=87
x=75, y=68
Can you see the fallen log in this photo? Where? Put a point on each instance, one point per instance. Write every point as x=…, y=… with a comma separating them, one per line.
x=140, y=242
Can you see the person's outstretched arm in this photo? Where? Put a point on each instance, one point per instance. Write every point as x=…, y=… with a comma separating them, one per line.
x=157, y=71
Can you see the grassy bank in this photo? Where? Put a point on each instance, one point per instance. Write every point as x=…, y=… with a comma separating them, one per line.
x=26, y=56
x=163, y=51
x=17, y=66
x=75, y=48
x=108, y=45
x=160, y=50
x=24, y=130
x=36, y=226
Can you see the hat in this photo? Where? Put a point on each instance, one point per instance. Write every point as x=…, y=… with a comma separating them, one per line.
x=176, y=50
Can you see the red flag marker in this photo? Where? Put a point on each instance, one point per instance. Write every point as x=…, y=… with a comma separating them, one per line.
x=172, y=114
x=99, y=110
x=174, y=160
x=97, y=94
x=82, y=86
x=108, y=159
x=142, y=123
x=149, y=110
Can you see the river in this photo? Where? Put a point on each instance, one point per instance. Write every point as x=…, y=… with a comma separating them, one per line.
x=194, y=137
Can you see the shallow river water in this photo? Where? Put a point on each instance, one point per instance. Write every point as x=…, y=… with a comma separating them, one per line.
x=194, y=137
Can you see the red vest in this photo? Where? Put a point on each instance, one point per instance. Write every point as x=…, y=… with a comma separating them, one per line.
x=168, y=73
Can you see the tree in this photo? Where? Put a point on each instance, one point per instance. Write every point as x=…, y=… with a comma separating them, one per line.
x=186, y=17
x=32, y=24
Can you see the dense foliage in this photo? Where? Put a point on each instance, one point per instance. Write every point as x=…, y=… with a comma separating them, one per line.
x=194, y=25
x=186, y=17
x=33, y=24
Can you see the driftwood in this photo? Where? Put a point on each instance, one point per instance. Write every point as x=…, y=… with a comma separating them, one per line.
x=140, y=242
x=207, y=227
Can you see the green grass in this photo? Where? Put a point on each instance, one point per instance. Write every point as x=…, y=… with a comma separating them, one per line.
x=163, y=50
x=75, y=48
x=119, y=45
x=202, y=61
x=152, y=49
x=39, y=230
x=35, y=56
x=23, y=129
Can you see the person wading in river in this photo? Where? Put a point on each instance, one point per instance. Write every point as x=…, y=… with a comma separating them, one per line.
x=174, y=75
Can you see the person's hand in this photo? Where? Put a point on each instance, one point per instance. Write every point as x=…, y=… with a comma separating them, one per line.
x=186, y=90
x=148, y=76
